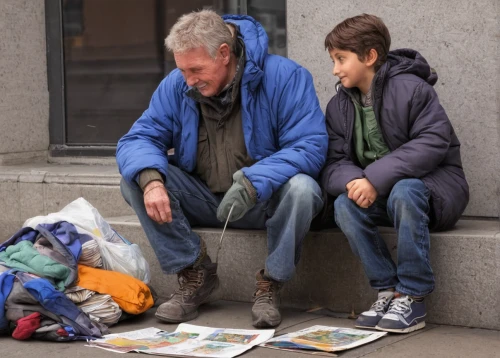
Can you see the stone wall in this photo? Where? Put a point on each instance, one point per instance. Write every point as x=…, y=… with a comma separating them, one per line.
x=460, y=39
x=24, y=97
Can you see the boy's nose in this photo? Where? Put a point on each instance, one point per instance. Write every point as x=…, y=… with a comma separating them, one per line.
x=335, y=71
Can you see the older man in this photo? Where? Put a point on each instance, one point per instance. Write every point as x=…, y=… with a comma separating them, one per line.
x=246, y=129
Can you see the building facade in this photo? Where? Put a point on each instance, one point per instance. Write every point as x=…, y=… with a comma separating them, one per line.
x=75, y=74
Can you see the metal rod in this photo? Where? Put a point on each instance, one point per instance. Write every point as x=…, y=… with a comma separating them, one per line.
x=222, y=236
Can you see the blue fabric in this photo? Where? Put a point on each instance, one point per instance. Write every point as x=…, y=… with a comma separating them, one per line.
x=417, y=131
x=67, y=234
x=287, y=216
x=63, y=237
x=6, y=283
x=57, y=303
x=406, y=210
x=26, y=233
x=283, y=125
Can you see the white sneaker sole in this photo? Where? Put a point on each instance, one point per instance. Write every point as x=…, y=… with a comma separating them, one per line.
x=366, y=327
x=404, y=330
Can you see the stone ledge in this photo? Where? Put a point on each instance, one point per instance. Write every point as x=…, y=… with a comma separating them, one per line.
x=23, y=157
x=465, y=262
x=39, y=188
x=61, y=174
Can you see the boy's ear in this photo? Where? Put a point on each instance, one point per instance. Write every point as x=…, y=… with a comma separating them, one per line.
x=371, y=57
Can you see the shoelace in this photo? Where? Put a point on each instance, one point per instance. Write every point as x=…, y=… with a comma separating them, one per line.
x=264, y=290
x=189, y=280
x=400, y=305
x=379, y=304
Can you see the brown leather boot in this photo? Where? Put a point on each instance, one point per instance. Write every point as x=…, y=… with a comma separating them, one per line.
x=265, y=310
x=196, y=284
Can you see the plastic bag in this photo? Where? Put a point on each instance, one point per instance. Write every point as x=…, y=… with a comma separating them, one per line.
x=124, y=257
x=117, y=253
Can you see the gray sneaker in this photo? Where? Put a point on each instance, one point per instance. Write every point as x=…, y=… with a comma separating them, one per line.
x=196, y=284
x=265, y=310
x=370, y=318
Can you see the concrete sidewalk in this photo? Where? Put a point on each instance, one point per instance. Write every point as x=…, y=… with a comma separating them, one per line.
x=433, y=341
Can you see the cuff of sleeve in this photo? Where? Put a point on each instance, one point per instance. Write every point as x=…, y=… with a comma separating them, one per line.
x=148, y=175
x=252, y=193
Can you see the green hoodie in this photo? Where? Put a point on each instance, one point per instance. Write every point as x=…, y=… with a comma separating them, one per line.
x=369, y=143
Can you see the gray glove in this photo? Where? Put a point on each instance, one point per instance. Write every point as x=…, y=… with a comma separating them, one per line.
x=242, y=194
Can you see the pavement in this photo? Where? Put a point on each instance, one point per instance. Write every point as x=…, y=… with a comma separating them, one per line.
x=432, y=341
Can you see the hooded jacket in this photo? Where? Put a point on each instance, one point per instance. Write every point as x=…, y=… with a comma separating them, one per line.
x=283, y=125
x=60, y=241
x=417, y=131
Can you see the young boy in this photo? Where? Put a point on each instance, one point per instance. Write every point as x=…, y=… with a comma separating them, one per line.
x=393, y=160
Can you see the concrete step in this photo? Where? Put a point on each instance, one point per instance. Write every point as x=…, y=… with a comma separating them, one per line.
x=465, y=262
x=39, y=189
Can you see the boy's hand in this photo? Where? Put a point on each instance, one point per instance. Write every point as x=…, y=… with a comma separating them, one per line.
x=362, y=192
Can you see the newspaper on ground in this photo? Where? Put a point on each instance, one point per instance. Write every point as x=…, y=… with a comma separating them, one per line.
x=323, y=338
x=187, y=340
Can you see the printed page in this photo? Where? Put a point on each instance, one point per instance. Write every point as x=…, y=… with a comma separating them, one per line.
x=187, y=340
x=214, y=342
x=139, y=341
x=324, y=338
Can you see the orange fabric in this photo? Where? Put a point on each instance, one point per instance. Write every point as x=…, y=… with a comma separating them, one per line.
x=132, y=295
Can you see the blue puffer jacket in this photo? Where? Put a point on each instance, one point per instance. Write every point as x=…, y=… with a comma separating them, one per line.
x=416, y=129
x=283, y=125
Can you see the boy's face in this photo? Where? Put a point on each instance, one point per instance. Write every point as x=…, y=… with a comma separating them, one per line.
x=351, y=71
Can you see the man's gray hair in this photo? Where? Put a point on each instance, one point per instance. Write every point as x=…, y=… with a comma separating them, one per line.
x=202, y=28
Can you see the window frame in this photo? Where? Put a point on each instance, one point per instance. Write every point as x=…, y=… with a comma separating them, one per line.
x=59, y=147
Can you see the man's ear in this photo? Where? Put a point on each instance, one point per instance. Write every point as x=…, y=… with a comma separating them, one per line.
x=225, y=53
x=371, y=57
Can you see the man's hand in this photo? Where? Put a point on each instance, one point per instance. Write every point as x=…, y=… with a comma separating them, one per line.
x=239, y=194
x=362, y=192
x=157, y=202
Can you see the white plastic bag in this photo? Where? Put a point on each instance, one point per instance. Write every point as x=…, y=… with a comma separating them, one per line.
x=117, y=253
x=124, y=257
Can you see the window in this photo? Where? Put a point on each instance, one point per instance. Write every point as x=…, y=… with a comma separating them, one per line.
x=113, y=58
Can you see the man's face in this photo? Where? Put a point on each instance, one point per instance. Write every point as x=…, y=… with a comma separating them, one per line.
x=350, y=70
x=200, y=70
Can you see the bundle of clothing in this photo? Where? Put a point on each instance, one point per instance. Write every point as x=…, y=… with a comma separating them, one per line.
x=53, y=285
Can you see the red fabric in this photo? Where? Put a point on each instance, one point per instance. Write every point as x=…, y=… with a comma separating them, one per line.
x=62, y=332
x=26, y=326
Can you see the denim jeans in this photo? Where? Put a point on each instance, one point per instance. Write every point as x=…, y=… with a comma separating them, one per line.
x=406, y=209
x=286, y=216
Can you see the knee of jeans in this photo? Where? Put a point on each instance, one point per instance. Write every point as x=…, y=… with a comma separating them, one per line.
x=408, y=191
x=303, y=188
x=342, y=209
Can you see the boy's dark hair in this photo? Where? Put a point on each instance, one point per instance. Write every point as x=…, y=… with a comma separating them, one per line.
x=360, y=34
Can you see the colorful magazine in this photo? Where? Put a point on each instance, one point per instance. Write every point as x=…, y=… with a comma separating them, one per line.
x=187, y=340
x=323, y=338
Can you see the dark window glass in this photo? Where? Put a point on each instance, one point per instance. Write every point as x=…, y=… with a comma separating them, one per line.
x=272, y=15
x=114, y=57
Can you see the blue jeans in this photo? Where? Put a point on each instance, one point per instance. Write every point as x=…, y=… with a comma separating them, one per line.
x=406, y=209
x=287, y=216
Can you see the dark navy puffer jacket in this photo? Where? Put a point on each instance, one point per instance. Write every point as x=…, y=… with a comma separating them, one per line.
x=417, y=131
